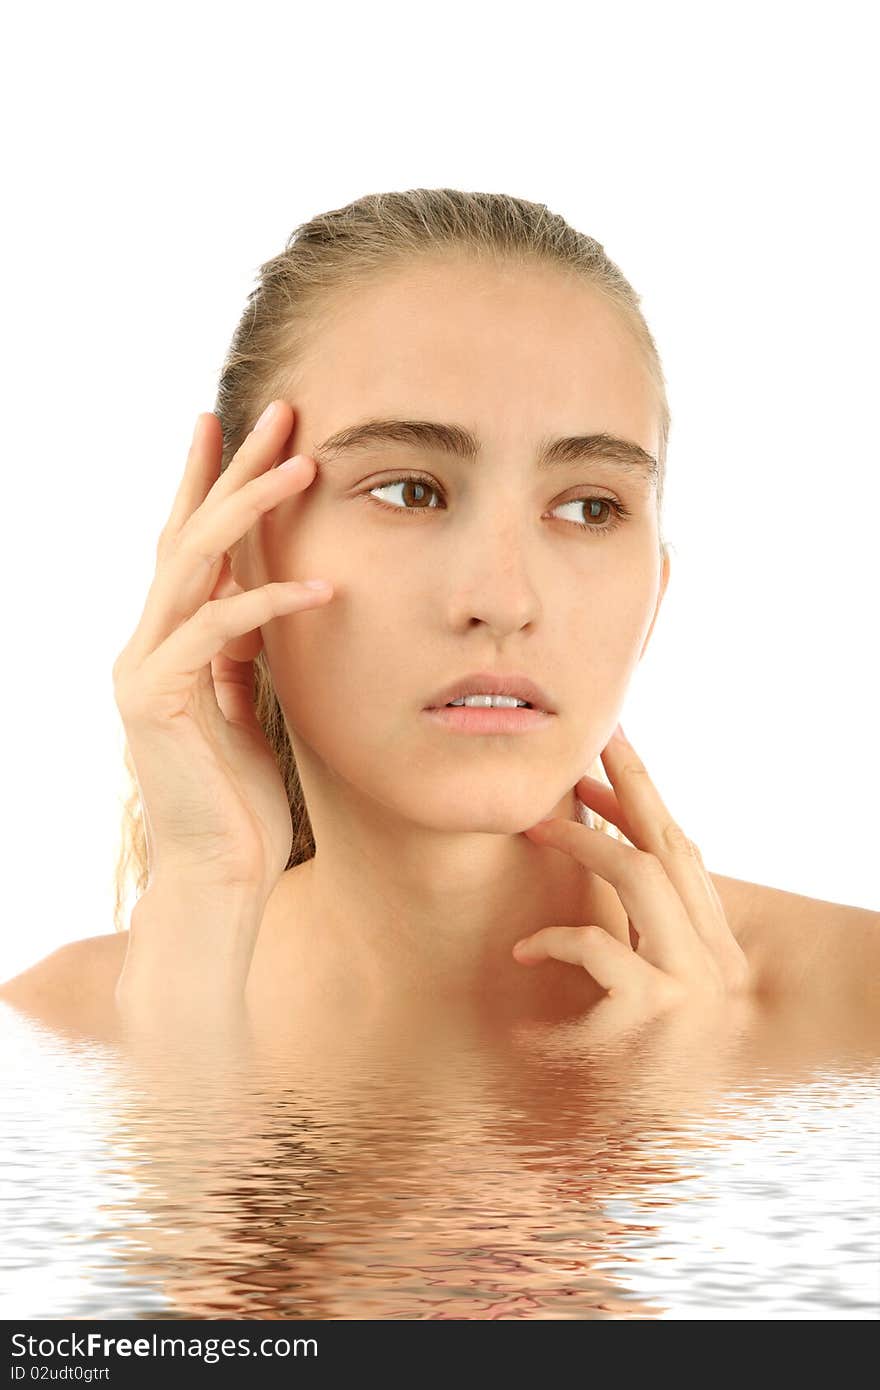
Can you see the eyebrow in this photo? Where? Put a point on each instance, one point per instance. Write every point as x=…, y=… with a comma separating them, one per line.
x=462, y=443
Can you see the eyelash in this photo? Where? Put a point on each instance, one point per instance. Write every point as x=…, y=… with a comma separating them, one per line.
x=621, y=512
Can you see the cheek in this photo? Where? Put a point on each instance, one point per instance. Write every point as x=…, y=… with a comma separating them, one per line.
x=609, y=623
x=351, y=684
x=293, y=540
x=350, y=663
x=330, y=514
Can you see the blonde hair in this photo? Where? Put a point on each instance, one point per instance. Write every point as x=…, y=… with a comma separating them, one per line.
x=346, y=248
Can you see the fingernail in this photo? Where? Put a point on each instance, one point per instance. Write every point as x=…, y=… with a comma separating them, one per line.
x=266, y=417
x=291, y=463
x=618, y=733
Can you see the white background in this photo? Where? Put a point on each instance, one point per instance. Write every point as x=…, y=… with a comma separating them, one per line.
x=723, y=154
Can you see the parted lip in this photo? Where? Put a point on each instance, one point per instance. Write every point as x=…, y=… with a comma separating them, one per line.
x=493, y=683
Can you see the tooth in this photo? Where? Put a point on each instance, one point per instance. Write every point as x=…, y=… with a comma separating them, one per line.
x=488, y=702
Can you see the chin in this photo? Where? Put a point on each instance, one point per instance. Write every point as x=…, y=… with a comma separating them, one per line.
x=470, y=813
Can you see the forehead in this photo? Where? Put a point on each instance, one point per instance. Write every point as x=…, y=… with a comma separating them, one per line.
x=509, y=347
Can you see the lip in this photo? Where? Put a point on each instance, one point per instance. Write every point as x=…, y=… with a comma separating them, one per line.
x=464, y=720
x=493, y=683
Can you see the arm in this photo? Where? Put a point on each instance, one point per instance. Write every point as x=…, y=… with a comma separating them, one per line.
x=95, y=985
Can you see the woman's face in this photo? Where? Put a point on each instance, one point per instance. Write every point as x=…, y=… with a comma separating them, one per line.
x=482, y=568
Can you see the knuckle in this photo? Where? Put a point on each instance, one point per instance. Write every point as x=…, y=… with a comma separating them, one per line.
x=169, y=543
x=634, y=767
x=258, y=496
x=675, y=839
x=208, y=559
x=209, y=613
x=648, y=864
x=188, y=546
x=591, y=934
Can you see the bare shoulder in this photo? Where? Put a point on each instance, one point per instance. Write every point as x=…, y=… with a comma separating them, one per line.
x=802, y=945
x=72, y=986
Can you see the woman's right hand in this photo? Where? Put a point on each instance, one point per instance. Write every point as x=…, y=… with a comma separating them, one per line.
x=215, y=806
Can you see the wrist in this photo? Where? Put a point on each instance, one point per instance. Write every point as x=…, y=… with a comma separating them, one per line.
x=190, y=946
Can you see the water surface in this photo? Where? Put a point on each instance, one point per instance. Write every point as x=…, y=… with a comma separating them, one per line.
x=685, y=1172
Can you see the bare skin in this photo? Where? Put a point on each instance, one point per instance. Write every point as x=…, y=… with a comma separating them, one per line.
x=427, y=871
x=486, y=1116
x=812, y=958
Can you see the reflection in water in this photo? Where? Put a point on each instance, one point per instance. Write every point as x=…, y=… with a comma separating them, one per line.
x=723, y=1170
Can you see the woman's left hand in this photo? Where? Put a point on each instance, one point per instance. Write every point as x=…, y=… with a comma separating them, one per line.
x=686, y=951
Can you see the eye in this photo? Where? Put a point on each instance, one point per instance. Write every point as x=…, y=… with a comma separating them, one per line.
x=418, y=490
x=619, y=512
x=415, y=490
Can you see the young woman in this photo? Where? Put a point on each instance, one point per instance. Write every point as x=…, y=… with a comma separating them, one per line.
x=448, y=407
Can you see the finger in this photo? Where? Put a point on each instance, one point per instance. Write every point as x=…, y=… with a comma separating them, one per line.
x=606, y=909
x=601, y=799
x=232, y=669
x=667, y=938
x=193, y=645
x=639, y=800
x=202, y=477
x=613, y=1018
x=239, y=649
x=200, y=472
x=260, y=450
x=614, y=966
x=689, y=1035
x=234, y=687
x=656, y=831
x=602, y=905
x=167, y=672
x=186, y=576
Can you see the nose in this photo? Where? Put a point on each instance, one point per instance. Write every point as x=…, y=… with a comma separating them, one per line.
x=491, y=577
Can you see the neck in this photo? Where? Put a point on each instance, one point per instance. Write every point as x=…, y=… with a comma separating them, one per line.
x=391, y=914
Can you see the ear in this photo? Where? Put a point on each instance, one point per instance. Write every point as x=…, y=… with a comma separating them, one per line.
x=664, y=580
